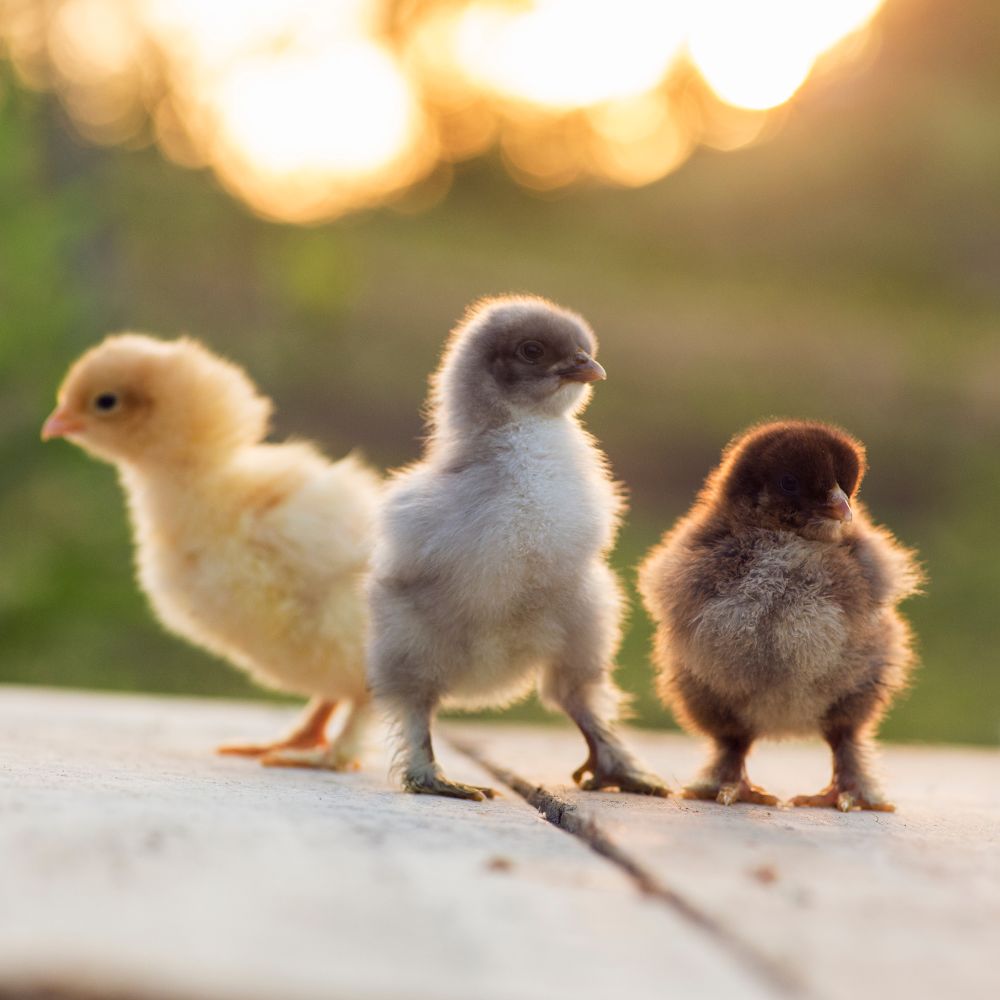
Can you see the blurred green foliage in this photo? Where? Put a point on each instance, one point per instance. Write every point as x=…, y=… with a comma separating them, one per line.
x=846, y=270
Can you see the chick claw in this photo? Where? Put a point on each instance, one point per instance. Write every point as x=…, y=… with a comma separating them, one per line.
x=420, y=784
x=729, y=792
x=623, y=777
x=844, y=800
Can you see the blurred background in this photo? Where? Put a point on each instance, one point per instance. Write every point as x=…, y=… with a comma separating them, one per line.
x=764, y=207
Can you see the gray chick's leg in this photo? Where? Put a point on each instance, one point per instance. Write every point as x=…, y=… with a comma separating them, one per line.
x=609, y=763
x=420, y=771
x=578, y=681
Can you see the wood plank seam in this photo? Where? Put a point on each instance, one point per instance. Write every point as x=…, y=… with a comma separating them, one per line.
x=566, y=817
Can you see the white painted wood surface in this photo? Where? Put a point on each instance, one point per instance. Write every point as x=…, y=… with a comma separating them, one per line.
x=850, y=906
x=135, y=863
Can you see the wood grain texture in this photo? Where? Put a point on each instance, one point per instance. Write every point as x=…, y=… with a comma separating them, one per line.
x=850, y=906
x=138, y=864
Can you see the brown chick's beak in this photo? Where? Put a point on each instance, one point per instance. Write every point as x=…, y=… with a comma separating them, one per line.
x=838, y=508
x=61, y=424
x=586, y=369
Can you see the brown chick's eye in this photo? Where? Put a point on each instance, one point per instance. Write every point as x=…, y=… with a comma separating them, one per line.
x=789, y=485
x=106, y=402
x=531, y=351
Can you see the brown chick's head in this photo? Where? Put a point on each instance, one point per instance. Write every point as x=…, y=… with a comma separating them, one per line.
x=134, y=399
x=516, y=356
x=792, y=475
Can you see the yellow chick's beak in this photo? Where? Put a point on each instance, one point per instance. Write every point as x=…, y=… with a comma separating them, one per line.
x=584, y=369
x=838, y=508
x=61, y=424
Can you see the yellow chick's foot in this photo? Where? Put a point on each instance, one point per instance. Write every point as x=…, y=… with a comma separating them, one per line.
x=262, y=749
x=437, y=784
x=623, y=777
x=309, y=733
x=325, y=758
x=730, y=792
x=846, y=801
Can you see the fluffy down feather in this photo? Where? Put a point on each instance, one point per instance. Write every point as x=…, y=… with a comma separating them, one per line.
x=255, y=552
x=775, y=600
x=490, y=572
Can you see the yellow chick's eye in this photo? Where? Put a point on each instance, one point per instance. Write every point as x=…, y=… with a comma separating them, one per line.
x=106, y=402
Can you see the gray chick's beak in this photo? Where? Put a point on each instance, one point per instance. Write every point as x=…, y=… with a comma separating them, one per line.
x=838, y=508
x=584, y=369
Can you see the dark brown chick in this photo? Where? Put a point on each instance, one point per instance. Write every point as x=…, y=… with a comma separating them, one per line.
x=775, y=599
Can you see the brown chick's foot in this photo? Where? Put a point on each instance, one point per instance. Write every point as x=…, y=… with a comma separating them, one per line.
x=321, y=758
x=420, y=783
x=730, y=792
x=624, y=777
x=846, y=800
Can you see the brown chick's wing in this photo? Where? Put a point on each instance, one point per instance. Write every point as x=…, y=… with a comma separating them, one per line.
x=891, y=570
x=682, y=581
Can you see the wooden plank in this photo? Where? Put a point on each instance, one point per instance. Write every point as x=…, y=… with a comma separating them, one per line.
x=136, y=863
x=854, y=906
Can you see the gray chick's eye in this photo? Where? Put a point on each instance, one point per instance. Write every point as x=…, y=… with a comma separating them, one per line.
x=789, y=485
x=531, y=351
x=106, y=402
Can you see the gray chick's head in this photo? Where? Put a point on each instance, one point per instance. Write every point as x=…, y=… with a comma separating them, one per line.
x=515, y=357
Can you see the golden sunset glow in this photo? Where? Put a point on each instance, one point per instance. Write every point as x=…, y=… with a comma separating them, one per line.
x=307, y=110
x=566, y=54
x=292, y=149
x=756, y=55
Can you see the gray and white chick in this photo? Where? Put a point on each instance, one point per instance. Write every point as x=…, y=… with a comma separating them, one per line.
x=490, y=572
x=776, y=604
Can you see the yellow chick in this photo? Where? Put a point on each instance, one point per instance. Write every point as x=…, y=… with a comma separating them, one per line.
x=255, y=552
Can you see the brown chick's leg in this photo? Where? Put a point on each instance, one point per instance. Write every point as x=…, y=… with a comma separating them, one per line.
x=310, y=731
x=725, y=780
x=609, y=763
x=421, y=774
x=341, y=754
x=852, y=787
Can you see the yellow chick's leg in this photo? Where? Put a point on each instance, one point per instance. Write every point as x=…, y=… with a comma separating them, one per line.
x=852, y=787
x=725, y=779
x=341, y=754
x=310, y=731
